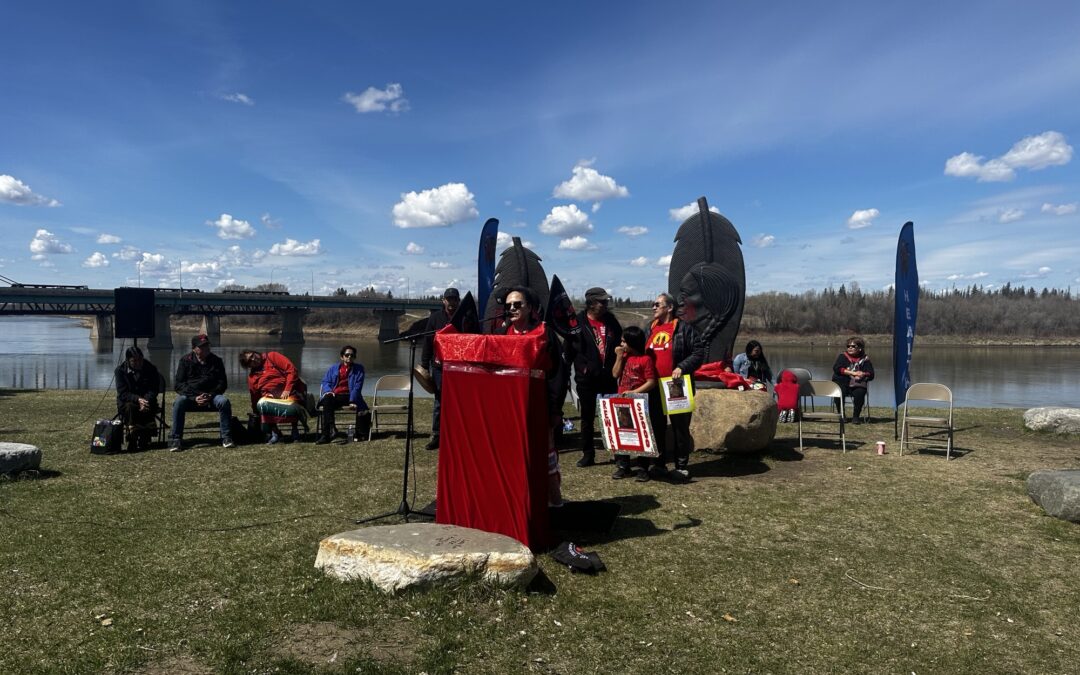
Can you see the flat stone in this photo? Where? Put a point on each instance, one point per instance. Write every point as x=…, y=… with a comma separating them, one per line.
x=737, y=421
x=394, y=557
x=16, y=457
x=1057, y=492
x=1056, y=420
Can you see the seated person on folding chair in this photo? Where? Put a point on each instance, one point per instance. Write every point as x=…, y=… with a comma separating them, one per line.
x=342, y=387
x=853, y=372
x=277, y=393
x=136, y=398
x=200, y=385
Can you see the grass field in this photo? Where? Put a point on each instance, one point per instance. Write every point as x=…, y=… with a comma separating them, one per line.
x=792, y=561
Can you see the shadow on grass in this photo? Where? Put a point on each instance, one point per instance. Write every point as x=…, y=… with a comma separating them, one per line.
x=604, y=520
x=30, y=474
x=730, y=465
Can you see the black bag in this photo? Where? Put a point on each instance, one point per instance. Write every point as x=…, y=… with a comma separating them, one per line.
x=238, y=431
x=577, y=560
x=108, y=437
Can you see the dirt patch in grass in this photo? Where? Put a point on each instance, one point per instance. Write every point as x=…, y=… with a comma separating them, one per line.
x=324, y=643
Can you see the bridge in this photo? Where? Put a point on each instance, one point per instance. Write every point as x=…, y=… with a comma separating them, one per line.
x=100, y=304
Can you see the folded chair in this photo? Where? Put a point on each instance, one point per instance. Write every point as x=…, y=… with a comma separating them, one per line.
x=386, y=414
x=928, y=392
x=826, y=389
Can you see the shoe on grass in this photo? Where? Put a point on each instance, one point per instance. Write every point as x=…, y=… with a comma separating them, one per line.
x=586, y=461
x=274, y=438
x=175, y=445
x=322, y=440
x=642, y=476
x=679, y=476
x=620, y=473
x=227, y=442
x=433, y=444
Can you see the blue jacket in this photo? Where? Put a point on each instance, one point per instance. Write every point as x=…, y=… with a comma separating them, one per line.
x=356, y=384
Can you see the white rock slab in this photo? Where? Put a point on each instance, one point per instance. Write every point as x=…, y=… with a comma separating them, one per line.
x=393, y=557
x=1056, y=420
x=16, y=457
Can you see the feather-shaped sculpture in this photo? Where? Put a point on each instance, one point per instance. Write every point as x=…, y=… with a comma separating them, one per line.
x=485, y=261
x=465, y=319
x=560, y=311
x=518, y=266
x=707, y=278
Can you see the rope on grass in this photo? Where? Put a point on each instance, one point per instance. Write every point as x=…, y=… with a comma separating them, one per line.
x=874, y=588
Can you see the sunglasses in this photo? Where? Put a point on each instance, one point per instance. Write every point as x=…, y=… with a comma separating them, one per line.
x=517, y=304
x=853, y=346
x=657, y=304
x=348, y=355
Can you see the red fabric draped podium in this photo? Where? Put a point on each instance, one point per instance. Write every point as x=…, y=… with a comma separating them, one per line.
x=493, y=444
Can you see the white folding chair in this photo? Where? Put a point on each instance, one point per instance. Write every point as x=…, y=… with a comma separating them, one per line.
x=928, y=392
x=830, y=390
x=382, y=409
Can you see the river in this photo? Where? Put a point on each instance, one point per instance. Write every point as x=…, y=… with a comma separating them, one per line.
x=57, y=353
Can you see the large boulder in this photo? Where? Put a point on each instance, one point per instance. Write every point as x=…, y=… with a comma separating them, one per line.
x=1057, y=420
x=393, y=557
x=1057, y=492
x=737, y=421
x=16, y=457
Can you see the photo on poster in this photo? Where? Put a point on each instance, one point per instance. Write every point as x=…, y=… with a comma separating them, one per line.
x=625, y=426
x=676, y=395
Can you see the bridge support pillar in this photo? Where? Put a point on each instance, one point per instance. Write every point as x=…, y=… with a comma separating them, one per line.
x=162, y=330
x=211, y=326
x=102, y=328
x=388, y=323
x=292, y=326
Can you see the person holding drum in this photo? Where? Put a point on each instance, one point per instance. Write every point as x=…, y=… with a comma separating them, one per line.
x=277, y=392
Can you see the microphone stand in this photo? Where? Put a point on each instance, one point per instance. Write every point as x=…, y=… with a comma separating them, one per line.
x=404, y=509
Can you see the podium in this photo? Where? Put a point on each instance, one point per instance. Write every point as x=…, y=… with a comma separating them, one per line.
x=493, y=442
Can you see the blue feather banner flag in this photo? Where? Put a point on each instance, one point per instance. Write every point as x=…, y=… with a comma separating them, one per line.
x=906, y=312
x=485, y=262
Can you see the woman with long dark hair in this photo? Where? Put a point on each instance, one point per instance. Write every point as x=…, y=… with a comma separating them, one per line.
x=752, y=364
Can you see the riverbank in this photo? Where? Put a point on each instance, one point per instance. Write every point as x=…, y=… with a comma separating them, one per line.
x=792, y=560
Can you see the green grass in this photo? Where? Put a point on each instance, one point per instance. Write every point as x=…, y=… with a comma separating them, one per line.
x=808, y=561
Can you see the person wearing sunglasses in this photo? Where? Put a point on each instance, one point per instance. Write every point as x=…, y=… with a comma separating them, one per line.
x=592, y=351
x=523, y=317
x=853, y=372
x=342, y=387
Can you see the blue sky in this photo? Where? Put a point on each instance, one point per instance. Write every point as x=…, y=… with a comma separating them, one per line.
x=344, y=145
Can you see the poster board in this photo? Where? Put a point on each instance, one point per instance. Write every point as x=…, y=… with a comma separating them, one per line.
x=625, y=425
x=676, y=395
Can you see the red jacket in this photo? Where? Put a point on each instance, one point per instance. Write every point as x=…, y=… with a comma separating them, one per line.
x=787, y=391
x=277, y=375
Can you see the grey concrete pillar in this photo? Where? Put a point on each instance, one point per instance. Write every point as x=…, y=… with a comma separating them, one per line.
x=102, y=328
x=162, y=330
x=388, y=322
x=292, y=326
x=211, y=325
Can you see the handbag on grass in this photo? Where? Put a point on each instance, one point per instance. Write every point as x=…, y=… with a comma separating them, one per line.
x=108, y=436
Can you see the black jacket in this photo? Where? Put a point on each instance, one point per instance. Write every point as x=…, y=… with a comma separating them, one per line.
x=556, y=372
x=194, y=378
x=131, y=385
x=438, y=320
x=581, y=350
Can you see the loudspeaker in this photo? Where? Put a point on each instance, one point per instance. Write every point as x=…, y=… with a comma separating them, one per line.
x=133, y=312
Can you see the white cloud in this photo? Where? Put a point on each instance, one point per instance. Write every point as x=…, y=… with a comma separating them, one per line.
x=412, y=248
x=439, y=265
x=862, y=218
x=589, y=185
x=128, y=253
x=1033, y=153
x=1010, y=215
x=238, y=97
x=576, y=243
x=1039, y=274
x=154, y=264
x=980, y=275
x=104, y=238
x=664, y=260
x=291, y=247
x=1059, y=209
x=633, y=230
x=640, y=261
x=564, y=221
x=269, y=222
x=211, y=268
x=683, y=212
x=14, y=191
x=45, y=242
x=764, y=240
x=232, y=228
x=960, y=277
x=96, y=259
x=437, y=207
x=378, y=100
